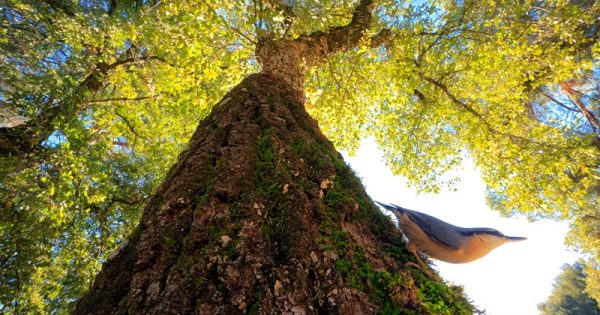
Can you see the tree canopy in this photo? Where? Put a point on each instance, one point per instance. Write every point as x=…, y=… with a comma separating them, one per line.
x=98, y=97
x=569, y=295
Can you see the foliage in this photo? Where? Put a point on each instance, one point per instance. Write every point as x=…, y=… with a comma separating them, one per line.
x=114, y=89
x=568, y=295
x=66, y=207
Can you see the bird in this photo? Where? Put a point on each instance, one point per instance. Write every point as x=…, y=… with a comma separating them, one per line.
x=444, y=241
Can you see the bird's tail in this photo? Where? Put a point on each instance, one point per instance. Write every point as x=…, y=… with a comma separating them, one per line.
x=391, y=207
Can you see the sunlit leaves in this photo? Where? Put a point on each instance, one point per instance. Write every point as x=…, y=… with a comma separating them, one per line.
x=114, y=140
x=127, y=86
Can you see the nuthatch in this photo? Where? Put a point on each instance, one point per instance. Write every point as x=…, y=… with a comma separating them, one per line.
x=444, y=241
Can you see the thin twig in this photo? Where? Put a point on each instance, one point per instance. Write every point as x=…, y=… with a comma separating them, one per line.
x=484, y=121
x=228, y=25
x=120, y=99
x=559, y=103
x=129, y=126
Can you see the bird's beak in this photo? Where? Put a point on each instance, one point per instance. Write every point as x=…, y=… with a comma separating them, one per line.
x=515, y=238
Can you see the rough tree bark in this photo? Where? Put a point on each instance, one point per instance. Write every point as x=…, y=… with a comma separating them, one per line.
x=261, y=215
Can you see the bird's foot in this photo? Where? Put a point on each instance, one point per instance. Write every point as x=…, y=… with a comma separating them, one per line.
x=424, y=268
x=412, y=264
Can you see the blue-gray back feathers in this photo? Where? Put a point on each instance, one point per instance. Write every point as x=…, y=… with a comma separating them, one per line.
x=444, y=233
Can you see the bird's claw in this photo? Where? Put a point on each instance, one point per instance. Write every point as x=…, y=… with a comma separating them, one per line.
x=423, y=268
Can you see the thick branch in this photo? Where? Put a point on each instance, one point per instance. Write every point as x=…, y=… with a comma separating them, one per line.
x=323, y=45
x=289, y=59
x=26, y=138
x=384, y=37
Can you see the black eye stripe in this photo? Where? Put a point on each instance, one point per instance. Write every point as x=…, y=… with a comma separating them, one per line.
x=480, y=231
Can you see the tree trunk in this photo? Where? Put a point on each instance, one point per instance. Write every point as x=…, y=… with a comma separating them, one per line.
x=261, y=215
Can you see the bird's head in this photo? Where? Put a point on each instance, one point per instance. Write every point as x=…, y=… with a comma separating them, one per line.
x=493, y=238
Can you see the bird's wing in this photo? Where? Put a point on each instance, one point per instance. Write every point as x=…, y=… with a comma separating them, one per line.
x=444, y=233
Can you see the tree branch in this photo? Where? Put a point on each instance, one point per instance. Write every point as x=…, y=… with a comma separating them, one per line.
x=26, y=138
x=227, y=24
x=120, y=99
x=61, y=6
x=289, y=59
x=384, y=37
x=480, y=117
x=575, y=97
x=94, y=80
x=129, y=202
x=323, y=45
x=288, y=13
x=130, y=126
x=557, y=102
